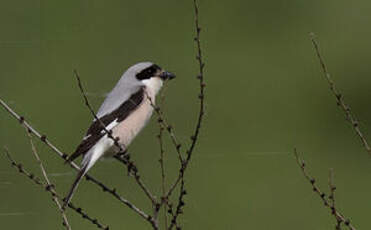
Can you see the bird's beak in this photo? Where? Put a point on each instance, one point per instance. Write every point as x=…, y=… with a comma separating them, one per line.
x=166, y=75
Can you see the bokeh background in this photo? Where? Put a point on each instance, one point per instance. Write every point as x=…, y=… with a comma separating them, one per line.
x=265, y=95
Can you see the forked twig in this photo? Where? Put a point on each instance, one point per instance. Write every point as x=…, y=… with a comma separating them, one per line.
x=50, y=188
x=339, y=97
x=337, y=215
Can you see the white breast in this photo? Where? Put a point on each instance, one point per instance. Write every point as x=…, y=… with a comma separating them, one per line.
x=134, y=123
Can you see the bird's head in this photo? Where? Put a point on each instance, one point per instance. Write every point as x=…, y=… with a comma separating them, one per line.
x=148, y=70
x=149, y=75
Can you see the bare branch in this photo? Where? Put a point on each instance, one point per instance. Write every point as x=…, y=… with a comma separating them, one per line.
x=165, y=125
x=51, y=189
x=332, y=198
x=200, y=77
x=45, y=140
x=163, y=175
x=337, y=215
x=162, y=153
x=339, y=97
x=179, y=207
x=48, y=183
x=124, y=157
x=195, y=136
x=172, y=213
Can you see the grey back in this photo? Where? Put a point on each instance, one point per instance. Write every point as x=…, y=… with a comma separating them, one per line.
x=125, y=87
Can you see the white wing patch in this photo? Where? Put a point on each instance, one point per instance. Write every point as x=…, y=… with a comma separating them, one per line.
x=110, y=126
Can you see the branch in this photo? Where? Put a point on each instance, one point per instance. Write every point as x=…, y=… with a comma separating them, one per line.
x=48, y=183
x=332, y=198
x=200, y=77
x=339, y=97
x=195, y=136
x=51, y=189
x=165, y=125
x=162, y=153
x=337, y=215
x=179, y=207
x=64, y=156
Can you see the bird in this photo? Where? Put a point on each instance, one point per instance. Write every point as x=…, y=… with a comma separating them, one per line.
x=124, y=113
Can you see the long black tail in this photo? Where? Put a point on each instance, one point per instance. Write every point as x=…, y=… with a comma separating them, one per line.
x=68, y=198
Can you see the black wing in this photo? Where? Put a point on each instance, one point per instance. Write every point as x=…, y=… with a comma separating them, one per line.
x=96, y=131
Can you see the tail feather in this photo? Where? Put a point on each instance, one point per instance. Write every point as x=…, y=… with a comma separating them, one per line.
x=78, y=179
x=87, y=162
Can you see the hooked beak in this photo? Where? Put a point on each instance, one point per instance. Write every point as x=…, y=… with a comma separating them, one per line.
x=166, y=75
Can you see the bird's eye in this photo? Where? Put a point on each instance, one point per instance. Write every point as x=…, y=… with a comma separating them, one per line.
x=147, y=73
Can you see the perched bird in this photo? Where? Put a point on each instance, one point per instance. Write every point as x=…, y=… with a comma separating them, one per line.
x=125, y=111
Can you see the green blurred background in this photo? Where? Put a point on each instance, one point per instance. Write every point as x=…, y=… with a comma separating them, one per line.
x=265, y=95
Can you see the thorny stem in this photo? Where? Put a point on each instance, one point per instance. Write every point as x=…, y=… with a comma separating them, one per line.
x=104, y=188
x=339, y=97
x=338, y=216
x=50, y=188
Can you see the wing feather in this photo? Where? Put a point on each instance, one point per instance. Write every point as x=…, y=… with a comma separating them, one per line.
x=110, y=120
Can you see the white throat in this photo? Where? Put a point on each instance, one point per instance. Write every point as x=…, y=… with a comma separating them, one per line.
x=153, y=86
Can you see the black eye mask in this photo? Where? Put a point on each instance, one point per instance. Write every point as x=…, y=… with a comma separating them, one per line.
x=147, y=73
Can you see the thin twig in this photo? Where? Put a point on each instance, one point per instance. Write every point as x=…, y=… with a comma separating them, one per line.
x=164, y=125
x=162, y=153
x=163, y=175
x=179, y=207
x=332, y=198
x=200, y=76
x=172, y=213
x=50, y=188
x=195, y=136
x=201, y=97
x=45, y=140
x=48, y=183
x=169, y=128
x=337, y=215
x=122, y=148
x=339, y=97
